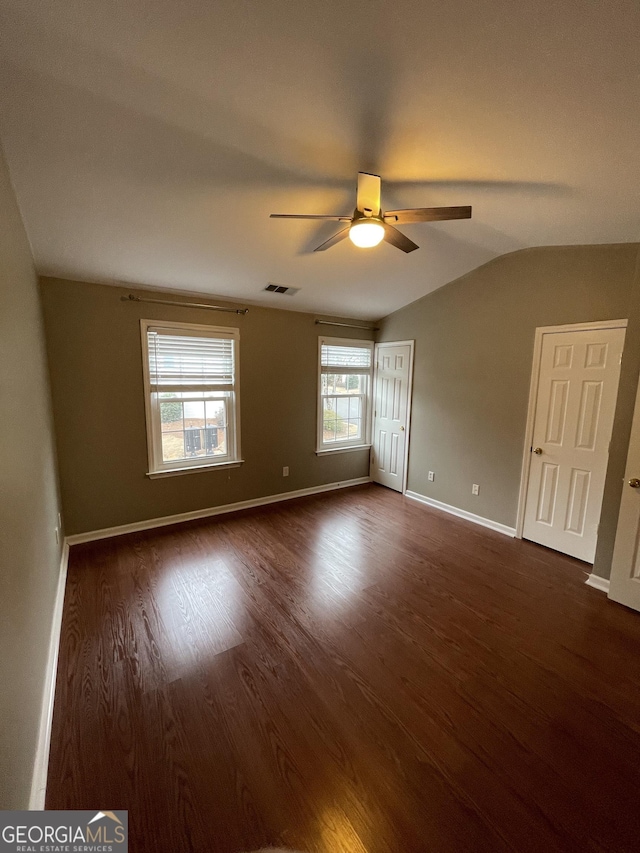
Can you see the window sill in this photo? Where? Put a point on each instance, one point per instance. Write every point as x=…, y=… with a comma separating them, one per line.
x=326, y=451
x=154, y=475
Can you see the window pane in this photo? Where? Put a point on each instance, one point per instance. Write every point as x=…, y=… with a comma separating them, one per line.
x=219, y=449
x=356, y=384
x=171, y=416
x=337, y=426
x=192, y=428
x=330, y=419
x=355, y=407
x=354, y=428
x=342, y=419
x=341, y=406
x=172, y=446
x=194, y=414
x=215, y=413
x=343, y=383
x=194, y=443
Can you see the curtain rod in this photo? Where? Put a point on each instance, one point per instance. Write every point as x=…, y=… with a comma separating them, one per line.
x=347, y=325
x=132, y=298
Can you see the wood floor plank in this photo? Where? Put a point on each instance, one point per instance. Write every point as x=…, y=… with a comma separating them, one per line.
x=346, y=673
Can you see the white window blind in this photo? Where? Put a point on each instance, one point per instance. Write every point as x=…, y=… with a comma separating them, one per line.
x=345, y=359
x=189, y=362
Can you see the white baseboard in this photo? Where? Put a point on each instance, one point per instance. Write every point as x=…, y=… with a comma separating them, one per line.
x=41, y=763
x=598, y=583
x=462, y=513
x=149, y=524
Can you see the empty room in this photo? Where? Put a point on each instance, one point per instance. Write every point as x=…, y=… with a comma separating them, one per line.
x=320, y=462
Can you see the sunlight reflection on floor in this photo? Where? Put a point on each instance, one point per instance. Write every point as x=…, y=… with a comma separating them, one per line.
x=201, y=606
x=337, y=569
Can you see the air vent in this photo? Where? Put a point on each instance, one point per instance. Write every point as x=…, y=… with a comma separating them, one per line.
x=280, y=288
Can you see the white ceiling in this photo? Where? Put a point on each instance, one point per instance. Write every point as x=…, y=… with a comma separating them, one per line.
x=148, y=140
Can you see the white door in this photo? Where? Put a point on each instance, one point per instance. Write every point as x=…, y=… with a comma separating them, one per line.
x=625, y=569
x=392, y=399
x=575, y=405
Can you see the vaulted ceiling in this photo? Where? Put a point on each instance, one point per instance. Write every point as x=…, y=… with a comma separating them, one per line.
x=148, y=140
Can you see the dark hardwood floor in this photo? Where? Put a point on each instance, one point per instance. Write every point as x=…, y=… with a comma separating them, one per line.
x=348, y=673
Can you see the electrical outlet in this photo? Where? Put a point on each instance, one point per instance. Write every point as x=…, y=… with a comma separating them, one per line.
x=432, y=476
x=285, y=471
x=475, y=489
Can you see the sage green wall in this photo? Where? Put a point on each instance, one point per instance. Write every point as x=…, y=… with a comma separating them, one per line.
x=473, y=357
x=29, y=556
x=95, y=359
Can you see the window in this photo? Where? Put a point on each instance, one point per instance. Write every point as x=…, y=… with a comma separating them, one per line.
x=344, y=393
x=191, y=384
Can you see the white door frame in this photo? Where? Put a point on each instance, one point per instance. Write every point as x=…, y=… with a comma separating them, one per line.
x=541, y=331
x=620, y=586
x=411, y=345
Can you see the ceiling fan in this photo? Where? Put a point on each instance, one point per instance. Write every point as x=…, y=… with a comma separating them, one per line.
x=369, y=225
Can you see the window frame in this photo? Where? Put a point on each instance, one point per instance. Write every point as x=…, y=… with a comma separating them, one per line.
x=364, y=441
x=152, y=400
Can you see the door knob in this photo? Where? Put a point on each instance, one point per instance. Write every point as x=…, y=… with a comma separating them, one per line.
x=537, y=450
x=401, y=429
x=634, y=482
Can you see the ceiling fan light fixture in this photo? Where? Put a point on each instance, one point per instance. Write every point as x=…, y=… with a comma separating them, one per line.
x=365, y=234
x=370, y=224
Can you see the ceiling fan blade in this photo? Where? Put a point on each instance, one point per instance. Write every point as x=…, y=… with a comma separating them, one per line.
x=333, y=240
x=397, y=239
x=427, y=214
x=368, y=196
x=309, y=216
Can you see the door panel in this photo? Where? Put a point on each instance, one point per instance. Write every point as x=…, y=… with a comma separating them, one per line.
x=393, y=461
x=380, y=456
x=578, y=501
x=557, y=412
x=575, y=405
x=392, y=396
x=589, y=415
x=547, y=495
